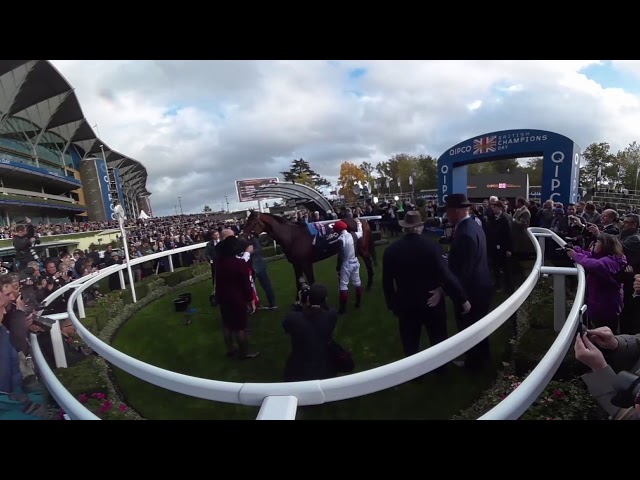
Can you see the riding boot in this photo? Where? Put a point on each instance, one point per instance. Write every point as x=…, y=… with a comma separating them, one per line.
x=344, y=297
x=358, y=296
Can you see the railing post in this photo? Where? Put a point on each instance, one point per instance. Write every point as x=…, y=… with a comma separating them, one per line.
x=80, y=304
x=171, y=263
x=282, y=407
x=123, y=285
x=559, y=302
x=542, y=241
x=58, y=347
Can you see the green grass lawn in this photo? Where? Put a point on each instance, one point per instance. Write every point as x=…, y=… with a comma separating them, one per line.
x=156, y=335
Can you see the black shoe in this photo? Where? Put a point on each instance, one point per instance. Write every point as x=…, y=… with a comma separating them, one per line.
x=343, y=307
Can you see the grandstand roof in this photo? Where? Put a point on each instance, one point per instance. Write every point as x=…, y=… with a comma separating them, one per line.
x=36, y=99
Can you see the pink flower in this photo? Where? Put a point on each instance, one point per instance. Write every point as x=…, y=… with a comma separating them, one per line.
x=559, y=394
x=123, y=407
x=106, y=406
x=99, y=396
x=61, y=414
x=83, y=398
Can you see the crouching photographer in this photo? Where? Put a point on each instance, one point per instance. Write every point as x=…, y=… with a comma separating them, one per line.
x=618, y=394
x=310, y=324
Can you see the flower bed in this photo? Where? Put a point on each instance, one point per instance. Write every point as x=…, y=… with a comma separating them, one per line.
x=560, y=400
x=102, y=406
x=566, y=397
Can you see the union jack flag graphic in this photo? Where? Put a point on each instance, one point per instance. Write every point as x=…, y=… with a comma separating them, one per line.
x=485, y=145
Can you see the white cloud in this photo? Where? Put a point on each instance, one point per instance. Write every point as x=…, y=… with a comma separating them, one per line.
x=199, y=125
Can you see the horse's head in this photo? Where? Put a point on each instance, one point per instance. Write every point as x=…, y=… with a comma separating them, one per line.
x=254, y=225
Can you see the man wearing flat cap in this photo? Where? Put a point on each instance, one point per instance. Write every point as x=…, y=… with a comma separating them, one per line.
x=468, y=261
x=413, y=269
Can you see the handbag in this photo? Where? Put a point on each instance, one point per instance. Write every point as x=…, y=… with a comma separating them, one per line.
x=340, y=359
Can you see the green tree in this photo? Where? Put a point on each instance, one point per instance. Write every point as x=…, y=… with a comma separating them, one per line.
x=629, y=161
x=496, y=167
x=301, y=172
x=207, y=209
x=426, y=169
x=368, y=169
x=598, y=159
x=534, y=169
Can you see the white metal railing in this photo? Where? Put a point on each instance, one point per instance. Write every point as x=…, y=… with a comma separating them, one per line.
x=280, y=400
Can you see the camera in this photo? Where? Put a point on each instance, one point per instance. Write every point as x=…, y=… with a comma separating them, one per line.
x=304, y=290
x=627, y=388
x=44, y=322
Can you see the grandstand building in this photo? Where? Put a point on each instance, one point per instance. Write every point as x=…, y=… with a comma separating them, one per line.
x=53, y=167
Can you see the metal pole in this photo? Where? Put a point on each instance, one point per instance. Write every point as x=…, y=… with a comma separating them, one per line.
x=260, y=206
x=227, y=199
x=180, y=202
x=120, y=214
x=176, y=207
x=559, y=302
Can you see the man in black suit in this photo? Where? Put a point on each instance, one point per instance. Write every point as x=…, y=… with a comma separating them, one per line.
x=412, y=269
x=468, y=261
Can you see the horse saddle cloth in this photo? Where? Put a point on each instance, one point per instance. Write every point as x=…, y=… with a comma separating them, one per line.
x=324, y=238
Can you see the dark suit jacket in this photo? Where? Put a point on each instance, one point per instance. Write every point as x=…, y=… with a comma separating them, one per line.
x=499, y=240
x=411, y=268
x=468, y=257
x=310, y=335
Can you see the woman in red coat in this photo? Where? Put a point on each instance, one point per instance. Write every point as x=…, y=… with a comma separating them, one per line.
x=234, y=293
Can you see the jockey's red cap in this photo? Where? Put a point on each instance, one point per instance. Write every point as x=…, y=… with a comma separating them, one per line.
x=340, y=226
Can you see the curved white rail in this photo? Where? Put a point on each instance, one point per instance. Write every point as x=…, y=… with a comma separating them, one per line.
x=349, y=386
x=72, y=407
x=518, y=401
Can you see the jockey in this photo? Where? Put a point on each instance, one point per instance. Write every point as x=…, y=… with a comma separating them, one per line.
x=348, y=263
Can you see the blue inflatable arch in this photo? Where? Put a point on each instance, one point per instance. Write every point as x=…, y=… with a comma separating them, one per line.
x=560, y=168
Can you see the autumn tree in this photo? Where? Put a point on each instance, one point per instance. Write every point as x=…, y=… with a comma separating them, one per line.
x=301, y=172
x=350, y=173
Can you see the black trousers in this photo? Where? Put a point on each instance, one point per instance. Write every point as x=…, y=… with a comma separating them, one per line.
x=412, y=320
x=477, y=356
x=213, y=275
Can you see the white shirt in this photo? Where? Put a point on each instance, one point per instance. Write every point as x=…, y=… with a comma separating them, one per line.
x=348, y=248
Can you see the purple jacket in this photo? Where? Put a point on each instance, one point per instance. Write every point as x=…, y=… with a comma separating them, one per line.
x=604, y=291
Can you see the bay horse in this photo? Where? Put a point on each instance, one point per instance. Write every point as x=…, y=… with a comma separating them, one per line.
x=297, y=243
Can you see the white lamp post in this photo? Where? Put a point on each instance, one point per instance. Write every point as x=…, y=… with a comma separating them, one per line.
x=119, y=211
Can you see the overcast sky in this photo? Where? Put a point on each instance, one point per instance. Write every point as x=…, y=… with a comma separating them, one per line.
x=198, y=126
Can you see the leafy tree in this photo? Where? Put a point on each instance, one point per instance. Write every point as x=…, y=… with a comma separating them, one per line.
x=534, y=169
x=629, y=161
x=350, y=173
x=301, y=172
x=496, y=167
x=207, y=209
x=598, y=159
x=368, y=169
x=426, y=169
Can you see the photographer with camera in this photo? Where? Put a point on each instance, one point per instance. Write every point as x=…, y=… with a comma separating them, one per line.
x=618, y=395
x=604, y=267
x=310, y=325
x=24, y=239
